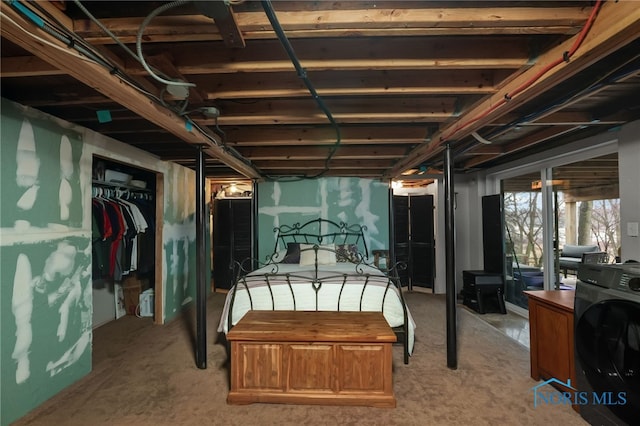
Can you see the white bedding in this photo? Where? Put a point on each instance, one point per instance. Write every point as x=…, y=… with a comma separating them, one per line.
x=328, y=293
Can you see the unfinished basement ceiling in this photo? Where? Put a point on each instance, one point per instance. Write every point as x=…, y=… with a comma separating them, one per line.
x=355, y=88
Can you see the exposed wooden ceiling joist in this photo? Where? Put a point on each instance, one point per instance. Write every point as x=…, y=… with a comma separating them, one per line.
x=616, y=25
x=398, y=77
x=374, y=22
x=52, y=50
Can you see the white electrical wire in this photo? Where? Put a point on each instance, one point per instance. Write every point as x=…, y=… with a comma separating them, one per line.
x=112, y=35
x=76, y=55
x=106, y=30
x=73, y=53
x=68, y=51
x=481, y=139
x=146, y=21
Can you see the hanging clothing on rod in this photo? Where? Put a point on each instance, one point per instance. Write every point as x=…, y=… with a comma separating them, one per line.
x=118, y=221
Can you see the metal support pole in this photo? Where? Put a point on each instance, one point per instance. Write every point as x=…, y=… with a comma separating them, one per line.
x=201, y=265
x=392, y=231
x=450, y=258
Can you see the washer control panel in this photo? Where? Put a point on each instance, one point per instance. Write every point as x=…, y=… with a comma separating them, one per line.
x=624, y=277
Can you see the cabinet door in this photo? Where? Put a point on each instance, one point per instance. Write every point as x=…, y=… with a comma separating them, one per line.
x=232, y=238
x=309, y=368
x=242, y=230
x=414, y=239
x=554, y=333
x=422, y=240
x=222, y=232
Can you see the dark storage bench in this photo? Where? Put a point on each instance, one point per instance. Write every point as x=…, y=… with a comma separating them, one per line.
x=482, y=291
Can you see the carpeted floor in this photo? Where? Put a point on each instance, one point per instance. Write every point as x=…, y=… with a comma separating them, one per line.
x=146, y=375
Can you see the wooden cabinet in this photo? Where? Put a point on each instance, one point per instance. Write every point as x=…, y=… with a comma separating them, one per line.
x=232, y=238
x=551, y=334
x=300, y=357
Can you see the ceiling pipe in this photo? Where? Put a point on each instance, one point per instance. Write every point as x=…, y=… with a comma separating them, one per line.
x=268, y=9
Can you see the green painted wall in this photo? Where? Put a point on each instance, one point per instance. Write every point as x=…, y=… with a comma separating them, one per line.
x=348, y=200
x=45, y=250
x=45, y=270
x=179, y=234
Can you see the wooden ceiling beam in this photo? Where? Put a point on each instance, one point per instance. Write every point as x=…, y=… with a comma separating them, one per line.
x=305, y=136
x=538, y=137
x=595, y=175
x=349, y=83
x=319, y=164
x=322, y=172
x=314, y=153
x=493, y=149
x=311, y=65
x=305, y=111
x=616, y=25
x=120, y=117
x=23, y=33
x=225, y=20
x=208, y=34
x=353, y=54
x=450, y=17
x=593, y=92
x=363, y=117
x=53, y=9
x=437, y=106
x=351, y=111
x=276, y=137
x=526, y=142
x=376, y=83
x=60, y=100
x=595, y=191
x=27, y=66
x=558, y=118
x=367, y=23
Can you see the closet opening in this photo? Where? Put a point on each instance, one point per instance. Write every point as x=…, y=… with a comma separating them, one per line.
x=126, y=245
x=233, y=224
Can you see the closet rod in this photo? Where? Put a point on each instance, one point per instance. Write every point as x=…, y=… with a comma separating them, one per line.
x=121, y=186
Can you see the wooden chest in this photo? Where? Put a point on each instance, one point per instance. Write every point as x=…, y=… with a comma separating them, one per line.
x=299, y=357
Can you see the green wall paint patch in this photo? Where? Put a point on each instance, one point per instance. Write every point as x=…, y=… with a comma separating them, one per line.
x=46, y=292
x=179, y=245
x=349, y=200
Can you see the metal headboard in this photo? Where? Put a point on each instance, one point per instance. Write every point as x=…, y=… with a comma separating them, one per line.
x=321, y=231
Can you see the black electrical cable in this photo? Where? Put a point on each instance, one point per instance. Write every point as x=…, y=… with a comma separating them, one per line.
x=268, y=9
x=72, y=41
x=623, y=71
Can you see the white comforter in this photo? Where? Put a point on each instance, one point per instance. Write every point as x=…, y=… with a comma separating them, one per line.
x=354, y=293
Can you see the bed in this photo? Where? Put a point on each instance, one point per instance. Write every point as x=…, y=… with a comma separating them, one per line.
x=320, y=265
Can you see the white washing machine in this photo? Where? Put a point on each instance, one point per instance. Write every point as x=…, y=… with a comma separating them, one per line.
x=607, y=343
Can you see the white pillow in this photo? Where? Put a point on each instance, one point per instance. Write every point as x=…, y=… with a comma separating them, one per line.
x=326, y=255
